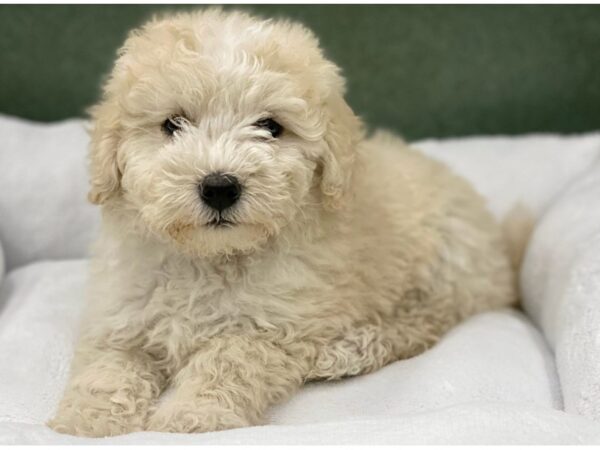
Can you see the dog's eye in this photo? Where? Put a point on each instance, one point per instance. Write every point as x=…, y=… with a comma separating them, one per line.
x=271, y=126
x=172, y=125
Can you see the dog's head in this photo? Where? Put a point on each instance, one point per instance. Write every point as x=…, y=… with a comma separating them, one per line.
x=219, y=129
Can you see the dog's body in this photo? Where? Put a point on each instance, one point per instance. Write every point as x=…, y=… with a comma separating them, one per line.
x=340, y=256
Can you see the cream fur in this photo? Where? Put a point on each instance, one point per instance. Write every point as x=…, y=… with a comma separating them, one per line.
x=348, y=253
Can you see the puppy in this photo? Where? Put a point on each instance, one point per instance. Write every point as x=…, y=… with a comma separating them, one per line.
x=253, y=239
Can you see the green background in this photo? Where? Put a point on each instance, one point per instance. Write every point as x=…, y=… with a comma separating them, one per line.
x=421, y=70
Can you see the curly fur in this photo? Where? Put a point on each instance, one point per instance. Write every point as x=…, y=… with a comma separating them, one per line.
x=347, y=254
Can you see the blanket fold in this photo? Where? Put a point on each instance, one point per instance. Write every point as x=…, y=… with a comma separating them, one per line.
x=561, y=290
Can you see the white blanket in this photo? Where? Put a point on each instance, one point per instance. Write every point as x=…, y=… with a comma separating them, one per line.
x=2, y=264
x=561, y=286
x=43, y=187
x=493, y=379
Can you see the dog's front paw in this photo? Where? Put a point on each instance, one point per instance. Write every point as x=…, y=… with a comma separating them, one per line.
x=91, y=423
x=96, y=417
x=194, y=417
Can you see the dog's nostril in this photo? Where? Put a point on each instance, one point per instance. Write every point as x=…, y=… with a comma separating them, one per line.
x=208, y=192
x=232, y=192
x=220, y=191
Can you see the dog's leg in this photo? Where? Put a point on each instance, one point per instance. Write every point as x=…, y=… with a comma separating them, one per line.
x=109, y=393
x=357, y=351
x=227, y=384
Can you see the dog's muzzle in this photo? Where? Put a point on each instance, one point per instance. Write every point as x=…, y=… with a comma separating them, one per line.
x=220, y=191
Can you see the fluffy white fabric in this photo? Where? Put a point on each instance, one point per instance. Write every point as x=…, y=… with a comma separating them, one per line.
x=44, y=213
x=531, y=169
x=491, y=380
x=2, y=264
x=472, y=423
x=561, y=285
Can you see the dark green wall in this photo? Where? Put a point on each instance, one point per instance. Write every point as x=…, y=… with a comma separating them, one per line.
x=421, y=70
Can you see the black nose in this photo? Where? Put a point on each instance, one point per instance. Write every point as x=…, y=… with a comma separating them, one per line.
x=220, y=191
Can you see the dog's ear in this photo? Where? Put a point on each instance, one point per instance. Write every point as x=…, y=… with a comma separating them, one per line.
x=105, y=176
x=344, y=131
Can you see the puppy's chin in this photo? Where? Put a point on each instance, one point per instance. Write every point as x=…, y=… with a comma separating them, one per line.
x=218, y=239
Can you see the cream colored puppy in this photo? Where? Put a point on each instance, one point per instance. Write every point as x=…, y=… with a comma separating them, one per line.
x=252, y=238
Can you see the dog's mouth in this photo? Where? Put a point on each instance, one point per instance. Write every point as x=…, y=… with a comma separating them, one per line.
x=219, y=222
